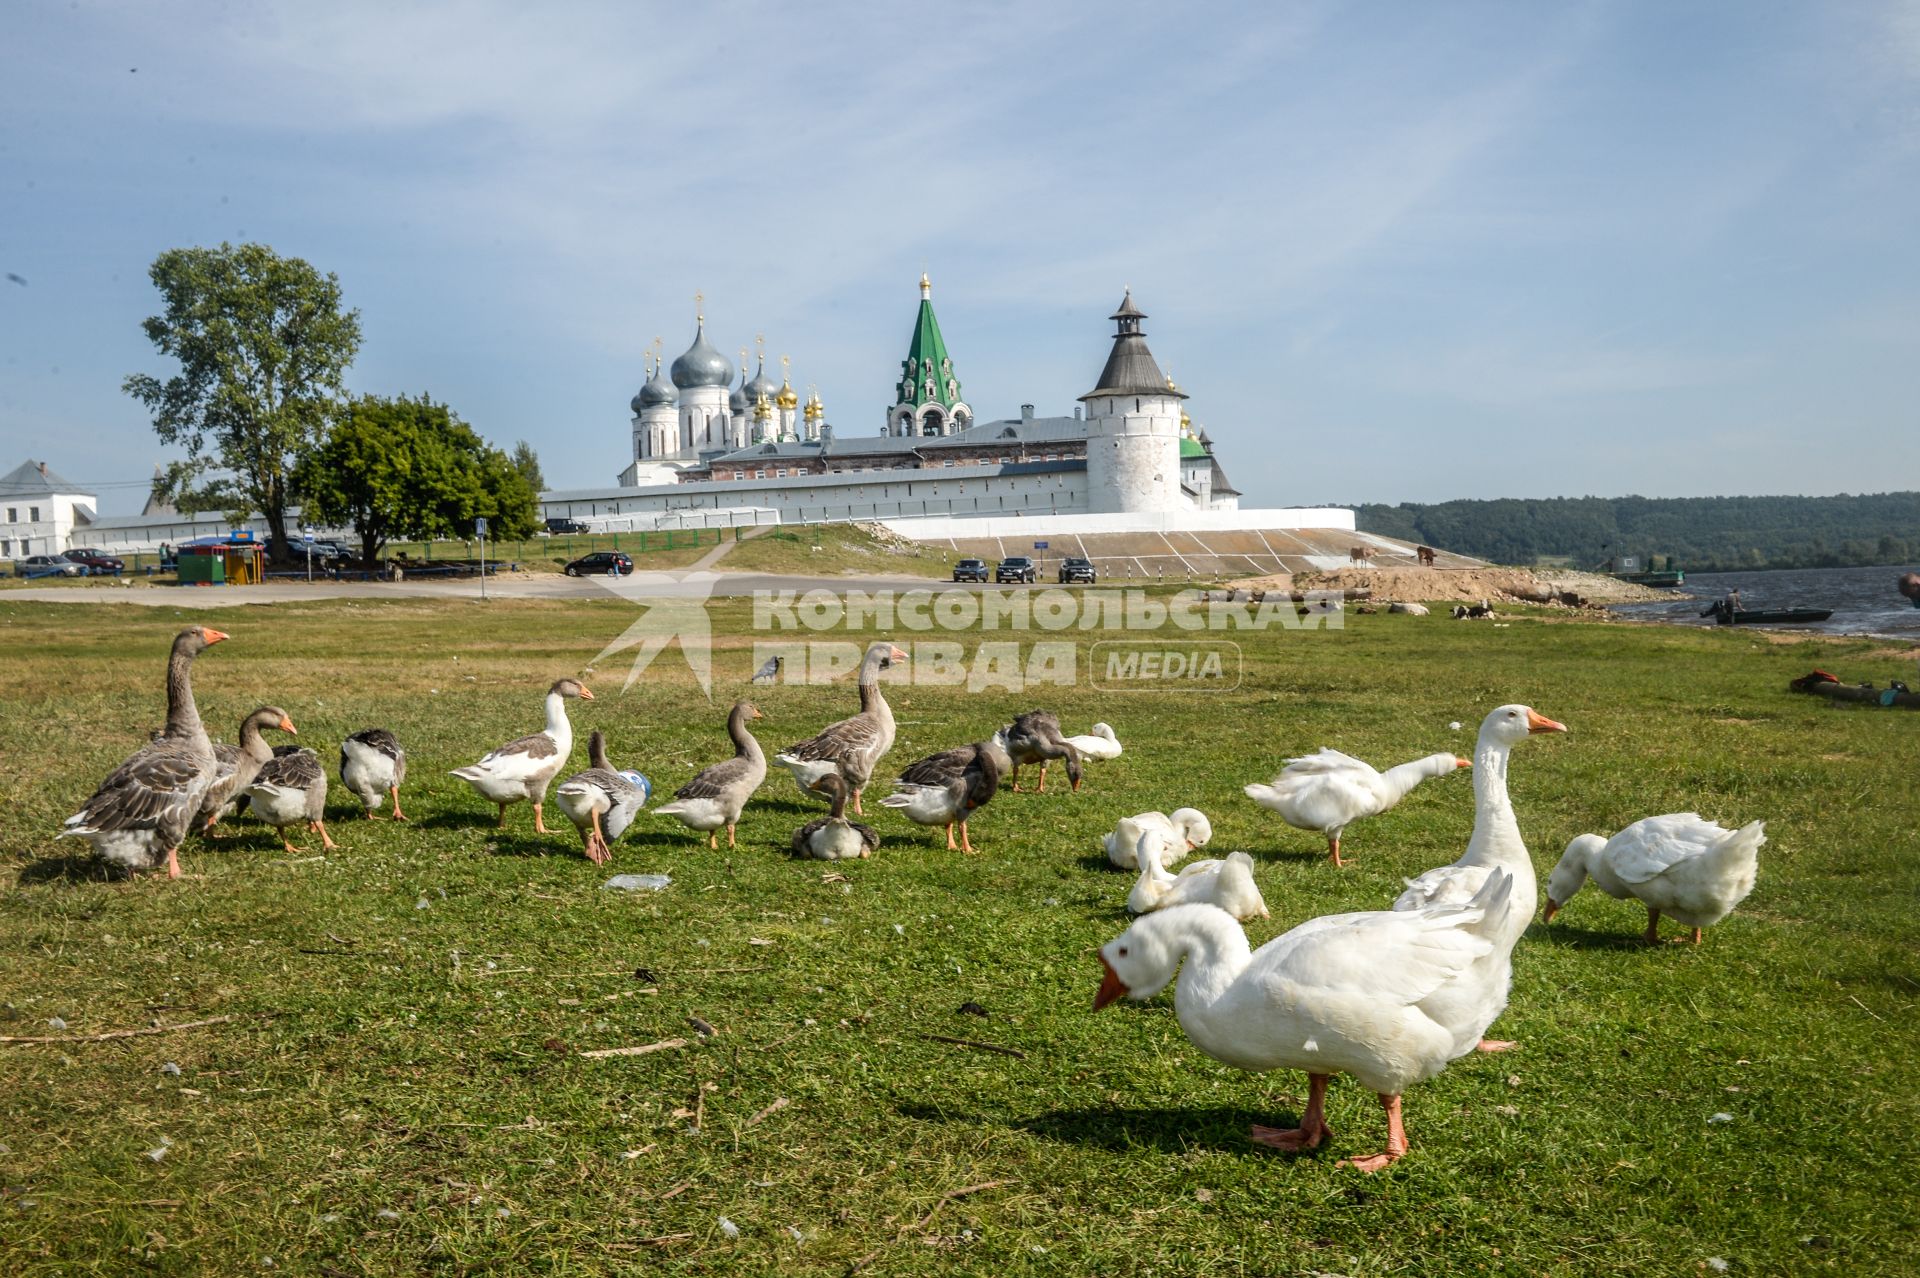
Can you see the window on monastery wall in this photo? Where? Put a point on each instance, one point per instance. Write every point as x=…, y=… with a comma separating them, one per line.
x=13, y=514
x=33, y=515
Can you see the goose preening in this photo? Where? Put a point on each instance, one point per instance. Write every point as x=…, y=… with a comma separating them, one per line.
x=1226, y=883
x=718, y=794
x=833, y=837
x=851, y=747
x=373, y=766
x=1185, y=829
x=239, y=764
x=1328, y=791
x=289, y=789
x=140, y=814
x=522, y=770
x=1035, y=737
x=602, y=801
x=1679, y=864
x=1380, y=995
x=1494, y=848
x=1097, y=743
x=947, y=788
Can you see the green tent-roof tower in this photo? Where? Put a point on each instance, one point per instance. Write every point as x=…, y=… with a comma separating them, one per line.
x=927, y=399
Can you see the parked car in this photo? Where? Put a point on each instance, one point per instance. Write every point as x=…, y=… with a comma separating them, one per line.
x=557, y=526
x=48, y=566
x=1016, y=568
x=1073, y=569
x=95, y=560
x=970, y=570
x=296, y=551
x=601, y=563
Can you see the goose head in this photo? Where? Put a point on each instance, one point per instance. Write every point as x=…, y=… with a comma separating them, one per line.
x=1510, y=725
x=274, y=717
x=195, y=640
x=832, y=787
x=1192, y=825
x=1570, y=874
x=1139, y=962
x=883, y=655
x=1103, y=730
x=570, y=688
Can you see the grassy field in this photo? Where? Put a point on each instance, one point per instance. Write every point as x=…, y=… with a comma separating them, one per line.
x=401, y=1087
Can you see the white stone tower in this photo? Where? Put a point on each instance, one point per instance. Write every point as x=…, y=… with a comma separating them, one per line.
x=654, y=419
x=787, y=402
x=702, y=375
x=1133, y=432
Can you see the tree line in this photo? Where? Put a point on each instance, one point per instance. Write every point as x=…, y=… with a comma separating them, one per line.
x=261, y=409
x=1701, y=533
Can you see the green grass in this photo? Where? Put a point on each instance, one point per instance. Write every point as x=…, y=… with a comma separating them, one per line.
x=835, y=549
x=423, y=1060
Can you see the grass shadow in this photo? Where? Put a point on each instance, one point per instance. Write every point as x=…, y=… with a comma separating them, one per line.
x=1580, y=938
x=1175, y=1131
x=69, y=869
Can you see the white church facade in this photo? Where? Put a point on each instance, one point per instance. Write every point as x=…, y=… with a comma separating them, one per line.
x=708, y=452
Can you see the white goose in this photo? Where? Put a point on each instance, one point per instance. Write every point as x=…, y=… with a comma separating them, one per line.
x=1097, y=742
x=1185, y=830
x=522, y=770
x=1495, y=847
x=1329, y=791
x=1226, y=883
x=1678, y=864
x=1374, y=995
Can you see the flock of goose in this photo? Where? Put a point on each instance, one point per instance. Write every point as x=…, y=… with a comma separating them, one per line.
x=1388, y=996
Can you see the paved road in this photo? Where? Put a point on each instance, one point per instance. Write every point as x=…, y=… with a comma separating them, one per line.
x=525, y=585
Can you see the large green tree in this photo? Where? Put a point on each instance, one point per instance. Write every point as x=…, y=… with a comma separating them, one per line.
x=410, y=469
x=263, y=345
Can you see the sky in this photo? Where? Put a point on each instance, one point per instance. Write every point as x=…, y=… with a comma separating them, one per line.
x=1392, y=251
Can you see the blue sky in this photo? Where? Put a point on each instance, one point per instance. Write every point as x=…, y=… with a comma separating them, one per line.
x=1392, y=251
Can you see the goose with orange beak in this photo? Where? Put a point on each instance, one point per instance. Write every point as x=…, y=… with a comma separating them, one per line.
x=522, y=770
x=140, y=814
x=1495, y=847
x=1375, y=995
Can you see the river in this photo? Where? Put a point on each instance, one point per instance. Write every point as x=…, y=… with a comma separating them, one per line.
x=1865, y=601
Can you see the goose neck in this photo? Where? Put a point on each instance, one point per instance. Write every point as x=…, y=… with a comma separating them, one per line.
x=744, y=742
x=559, y=727
x=183, y=716
x=1496, y=834
x=1216, y=953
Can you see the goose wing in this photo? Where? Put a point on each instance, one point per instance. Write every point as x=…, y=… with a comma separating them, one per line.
x=158, y=788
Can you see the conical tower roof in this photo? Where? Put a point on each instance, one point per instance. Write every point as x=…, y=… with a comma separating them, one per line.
x=926, y=375
x=1131, y=368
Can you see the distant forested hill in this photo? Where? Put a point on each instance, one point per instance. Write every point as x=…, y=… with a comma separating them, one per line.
x=1701, y=533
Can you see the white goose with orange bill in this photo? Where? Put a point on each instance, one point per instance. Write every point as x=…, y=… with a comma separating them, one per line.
x=521, y=770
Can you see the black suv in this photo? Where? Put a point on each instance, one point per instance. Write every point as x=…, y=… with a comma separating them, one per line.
x=601, y=563
x=95, y=560
x=1078, y=571
x=1016, y=568
x=557, y=526
x=970, y=570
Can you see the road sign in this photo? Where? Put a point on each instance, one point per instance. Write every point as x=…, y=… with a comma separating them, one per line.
x=1039, y=545
x=480, y=525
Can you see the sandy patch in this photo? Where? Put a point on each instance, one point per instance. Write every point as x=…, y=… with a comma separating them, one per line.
x=1495, y=585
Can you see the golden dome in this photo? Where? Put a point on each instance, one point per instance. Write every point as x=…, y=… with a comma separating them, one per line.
x=788, y=399
x=761, y=409
x=815, y=409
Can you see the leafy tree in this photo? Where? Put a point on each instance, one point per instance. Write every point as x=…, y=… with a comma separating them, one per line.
x=410, y=469
x=527, y=462
x=263, y=346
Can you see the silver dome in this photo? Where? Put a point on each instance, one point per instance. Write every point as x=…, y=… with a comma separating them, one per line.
x=653, y=394
x=762, y=385
x=701, y=365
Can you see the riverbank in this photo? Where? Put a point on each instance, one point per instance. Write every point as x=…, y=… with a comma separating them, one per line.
x=1471, y=585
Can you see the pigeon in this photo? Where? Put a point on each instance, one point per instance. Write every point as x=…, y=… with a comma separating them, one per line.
x=769, y=672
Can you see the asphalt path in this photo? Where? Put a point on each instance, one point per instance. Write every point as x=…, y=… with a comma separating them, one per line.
x=689, y=583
